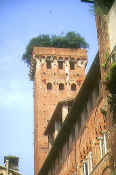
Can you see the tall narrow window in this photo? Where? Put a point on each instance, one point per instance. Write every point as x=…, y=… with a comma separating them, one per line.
x=60, y=64
x=61, y=86
x=49, y=86
x=72, y=65
x=73, y=87
x=48, y=64
x=102, y=145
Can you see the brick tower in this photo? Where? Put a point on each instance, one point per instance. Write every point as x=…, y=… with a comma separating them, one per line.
x=58, y=74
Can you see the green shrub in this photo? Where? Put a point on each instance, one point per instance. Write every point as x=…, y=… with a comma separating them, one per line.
x=110, y=78
x=70, y=40
x=102, y=7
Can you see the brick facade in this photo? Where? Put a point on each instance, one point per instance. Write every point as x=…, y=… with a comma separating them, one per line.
x=83, y=144
x=46, y=89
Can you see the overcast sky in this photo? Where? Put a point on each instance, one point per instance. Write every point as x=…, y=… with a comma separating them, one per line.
x=20, y=20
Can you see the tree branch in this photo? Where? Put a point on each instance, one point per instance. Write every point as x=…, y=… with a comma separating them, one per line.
x=88, y=1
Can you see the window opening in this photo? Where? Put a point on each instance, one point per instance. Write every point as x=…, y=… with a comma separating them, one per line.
x=73, y=87
x=77, y=75
x=61, y=86
x=72, y=65
x=49, y=65
x=49, y=86
x=102, y=145
x=60, y=64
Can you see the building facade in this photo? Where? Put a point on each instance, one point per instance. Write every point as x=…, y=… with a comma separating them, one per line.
x=58, y=74
x=11, y=166
x=81, y=132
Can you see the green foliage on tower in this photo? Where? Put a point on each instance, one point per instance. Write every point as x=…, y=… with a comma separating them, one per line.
x=101, y=7
x=70, y=40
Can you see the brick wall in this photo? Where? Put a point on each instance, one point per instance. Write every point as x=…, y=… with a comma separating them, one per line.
x=76, y=151
x=87, y=141
x=46, y=100
x=81, y=142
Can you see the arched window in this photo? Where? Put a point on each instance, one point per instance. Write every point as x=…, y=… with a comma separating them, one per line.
x=49, y=86
x=61, y=86
x=73, y=87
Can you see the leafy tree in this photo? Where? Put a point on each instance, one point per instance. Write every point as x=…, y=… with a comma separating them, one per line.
x=101, y=7
x=70, y=40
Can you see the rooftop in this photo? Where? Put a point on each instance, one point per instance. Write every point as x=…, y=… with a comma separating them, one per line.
x=10, y=170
